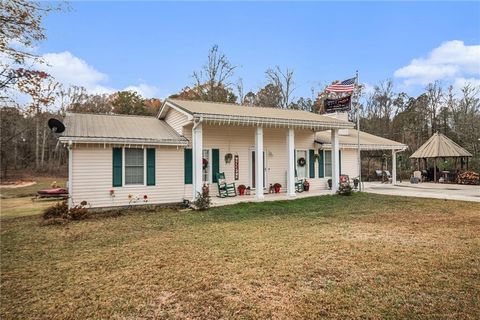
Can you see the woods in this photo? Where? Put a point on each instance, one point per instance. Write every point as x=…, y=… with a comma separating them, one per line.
x=29, y=96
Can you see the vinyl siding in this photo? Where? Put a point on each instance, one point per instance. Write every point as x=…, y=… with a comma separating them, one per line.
x=92, y=178
x=176, y=120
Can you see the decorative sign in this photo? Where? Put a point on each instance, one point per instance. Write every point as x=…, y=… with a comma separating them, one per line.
x=235, y=167
x=340, y=104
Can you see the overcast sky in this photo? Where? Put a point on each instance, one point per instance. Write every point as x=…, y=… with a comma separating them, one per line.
x=153, y=47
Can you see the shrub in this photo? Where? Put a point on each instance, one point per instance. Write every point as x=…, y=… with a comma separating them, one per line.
x=203, y=200
x=78, y=212
x=58, y=210
x=345, y=189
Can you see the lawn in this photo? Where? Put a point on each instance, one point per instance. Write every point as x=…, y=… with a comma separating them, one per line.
x=364, y=256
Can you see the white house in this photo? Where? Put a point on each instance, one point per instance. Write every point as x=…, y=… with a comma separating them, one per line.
x=116, y=160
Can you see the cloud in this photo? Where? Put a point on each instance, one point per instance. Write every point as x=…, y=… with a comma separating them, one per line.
x=69, y=69
x=450, y=62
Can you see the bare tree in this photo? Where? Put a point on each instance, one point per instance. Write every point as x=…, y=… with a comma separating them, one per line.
x=283, y=80
x=434, y=95
x=213, y=78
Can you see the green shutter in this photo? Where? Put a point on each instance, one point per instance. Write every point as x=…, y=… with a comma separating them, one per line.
x=150, y=167
x=311, y=162
x=117, y=167
x=215, y=164
x=188, y=166
x=295, y=161
x=340, y=161
x=321, y=169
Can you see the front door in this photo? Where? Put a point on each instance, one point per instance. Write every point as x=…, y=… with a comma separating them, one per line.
x=253, y=168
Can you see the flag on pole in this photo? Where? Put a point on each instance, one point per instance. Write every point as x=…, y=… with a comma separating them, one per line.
x=344, y=86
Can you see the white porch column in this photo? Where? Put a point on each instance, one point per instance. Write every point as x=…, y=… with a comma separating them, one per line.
x=197, y=147
x=394, y=167
x=70, y=175
x=259, y=163
x=335, y=161
x=291, y=163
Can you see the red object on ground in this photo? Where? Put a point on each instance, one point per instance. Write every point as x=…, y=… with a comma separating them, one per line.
x=53, y=192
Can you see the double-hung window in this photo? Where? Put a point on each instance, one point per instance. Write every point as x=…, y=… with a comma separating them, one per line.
x=134, y=166
x=328, y=163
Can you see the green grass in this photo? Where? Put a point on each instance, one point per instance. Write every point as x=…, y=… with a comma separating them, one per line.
x=365, y=256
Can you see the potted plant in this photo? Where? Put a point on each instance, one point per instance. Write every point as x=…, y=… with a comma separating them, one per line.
x=241, y=189
x=277, y=187
x=306, y=185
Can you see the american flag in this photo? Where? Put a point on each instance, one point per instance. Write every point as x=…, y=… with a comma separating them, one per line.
x=344, y=86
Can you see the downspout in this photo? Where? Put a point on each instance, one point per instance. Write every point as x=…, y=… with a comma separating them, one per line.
x=70, y=174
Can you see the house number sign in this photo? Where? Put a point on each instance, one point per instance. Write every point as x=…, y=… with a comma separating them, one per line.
x=235, y=166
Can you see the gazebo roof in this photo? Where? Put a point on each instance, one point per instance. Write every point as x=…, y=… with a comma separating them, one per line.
x=440, y=146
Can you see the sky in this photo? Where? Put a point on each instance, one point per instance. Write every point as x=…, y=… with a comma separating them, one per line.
x=154, y=47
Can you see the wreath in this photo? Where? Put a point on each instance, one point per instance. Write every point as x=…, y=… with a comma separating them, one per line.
x=302, y=162
x=204, y=163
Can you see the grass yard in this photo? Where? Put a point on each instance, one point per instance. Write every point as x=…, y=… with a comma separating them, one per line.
x=365, y=256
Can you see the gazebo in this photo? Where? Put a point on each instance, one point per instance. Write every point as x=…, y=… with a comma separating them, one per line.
x=440, y=146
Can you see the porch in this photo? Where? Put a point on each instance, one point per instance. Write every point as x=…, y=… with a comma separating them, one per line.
x=217, y=202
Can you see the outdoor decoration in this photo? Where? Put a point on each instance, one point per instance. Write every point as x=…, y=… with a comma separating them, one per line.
x=112, y=193
x=236, y=167
x=329, y=181
x=204, y=163
x=277, y=187
x=241, y=189
x=145, y=198
x=306, y=185
x=302, y=162
x=271, y=189
x=228, y=157
x=248, y=190
x=316, y=157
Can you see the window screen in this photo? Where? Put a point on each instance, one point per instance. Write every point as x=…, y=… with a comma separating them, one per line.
x=206, y=165
x=328, y=163
x=134, y=166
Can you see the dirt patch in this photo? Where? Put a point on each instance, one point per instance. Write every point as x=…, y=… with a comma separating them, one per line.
x=17, y=184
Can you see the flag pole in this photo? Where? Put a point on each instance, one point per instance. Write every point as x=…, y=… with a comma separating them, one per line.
x=359, y=160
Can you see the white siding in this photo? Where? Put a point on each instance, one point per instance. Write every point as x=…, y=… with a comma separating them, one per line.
x=92, y=178
x=176, y=120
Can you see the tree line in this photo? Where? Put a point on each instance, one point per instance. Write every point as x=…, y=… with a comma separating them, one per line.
x=26, y=143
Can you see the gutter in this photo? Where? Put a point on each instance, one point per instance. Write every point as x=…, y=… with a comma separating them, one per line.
x=166, y=142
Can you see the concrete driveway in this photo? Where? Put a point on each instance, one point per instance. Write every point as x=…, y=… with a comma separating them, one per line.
x=426, y=190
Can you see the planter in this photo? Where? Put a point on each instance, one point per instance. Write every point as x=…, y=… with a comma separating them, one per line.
x=277, y=189
x=329, y=184
x=241, y=189
x=241, y=192
x=306, y=188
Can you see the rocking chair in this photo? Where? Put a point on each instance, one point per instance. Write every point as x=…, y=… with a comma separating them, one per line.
x=225, y=189
x=298, y=183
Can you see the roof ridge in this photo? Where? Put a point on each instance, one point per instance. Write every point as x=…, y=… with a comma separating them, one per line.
x=256, y=106
x=110, y=114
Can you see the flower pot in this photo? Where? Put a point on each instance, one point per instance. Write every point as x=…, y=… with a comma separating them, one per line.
x=277, y=189
x=241, y=191
x=306, y=188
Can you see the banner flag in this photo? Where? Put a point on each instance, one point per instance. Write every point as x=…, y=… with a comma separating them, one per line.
x=335, y=105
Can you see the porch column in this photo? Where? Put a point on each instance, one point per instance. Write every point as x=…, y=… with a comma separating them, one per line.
x=259, y=163
x=70, y=175
x=197, y=147
x=394, y=167
x=291, y=163
x=335, y=161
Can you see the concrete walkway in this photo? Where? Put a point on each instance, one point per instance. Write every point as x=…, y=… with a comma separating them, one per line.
x=426, y=190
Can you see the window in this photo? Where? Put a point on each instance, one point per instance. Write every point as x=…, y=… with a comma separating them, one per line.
x=206, y=165
x=328, y=163
x=134, y=166
x=302, y=170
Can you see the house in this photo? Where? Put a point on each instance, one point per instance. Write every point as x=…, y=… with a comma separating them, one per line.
x=118, y=160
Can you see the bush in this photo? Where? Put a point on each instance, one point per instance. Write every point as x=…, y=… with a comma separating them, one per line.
x=203, y=200
x=59, y=210
x=345, y=189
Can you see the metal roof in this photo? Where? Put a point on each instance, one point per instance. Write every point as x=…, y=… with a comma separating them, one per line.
x=348, y=139
x=223, y=113
x=440, y=145
x=82, y=127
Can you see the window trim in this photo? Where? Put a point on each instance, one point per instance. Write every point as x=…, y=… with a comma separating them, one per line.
x=144, y=169
x=307, y=162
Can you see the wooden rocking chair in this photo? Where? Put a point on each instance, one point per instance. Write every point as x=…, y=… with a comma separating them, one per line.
x=225, y=189
x=298, y=183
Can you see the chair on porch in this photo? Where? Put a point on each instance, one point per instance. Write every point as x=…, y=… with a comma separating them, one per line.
x=298, y=183
x=387, y=177
x=225, y=189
